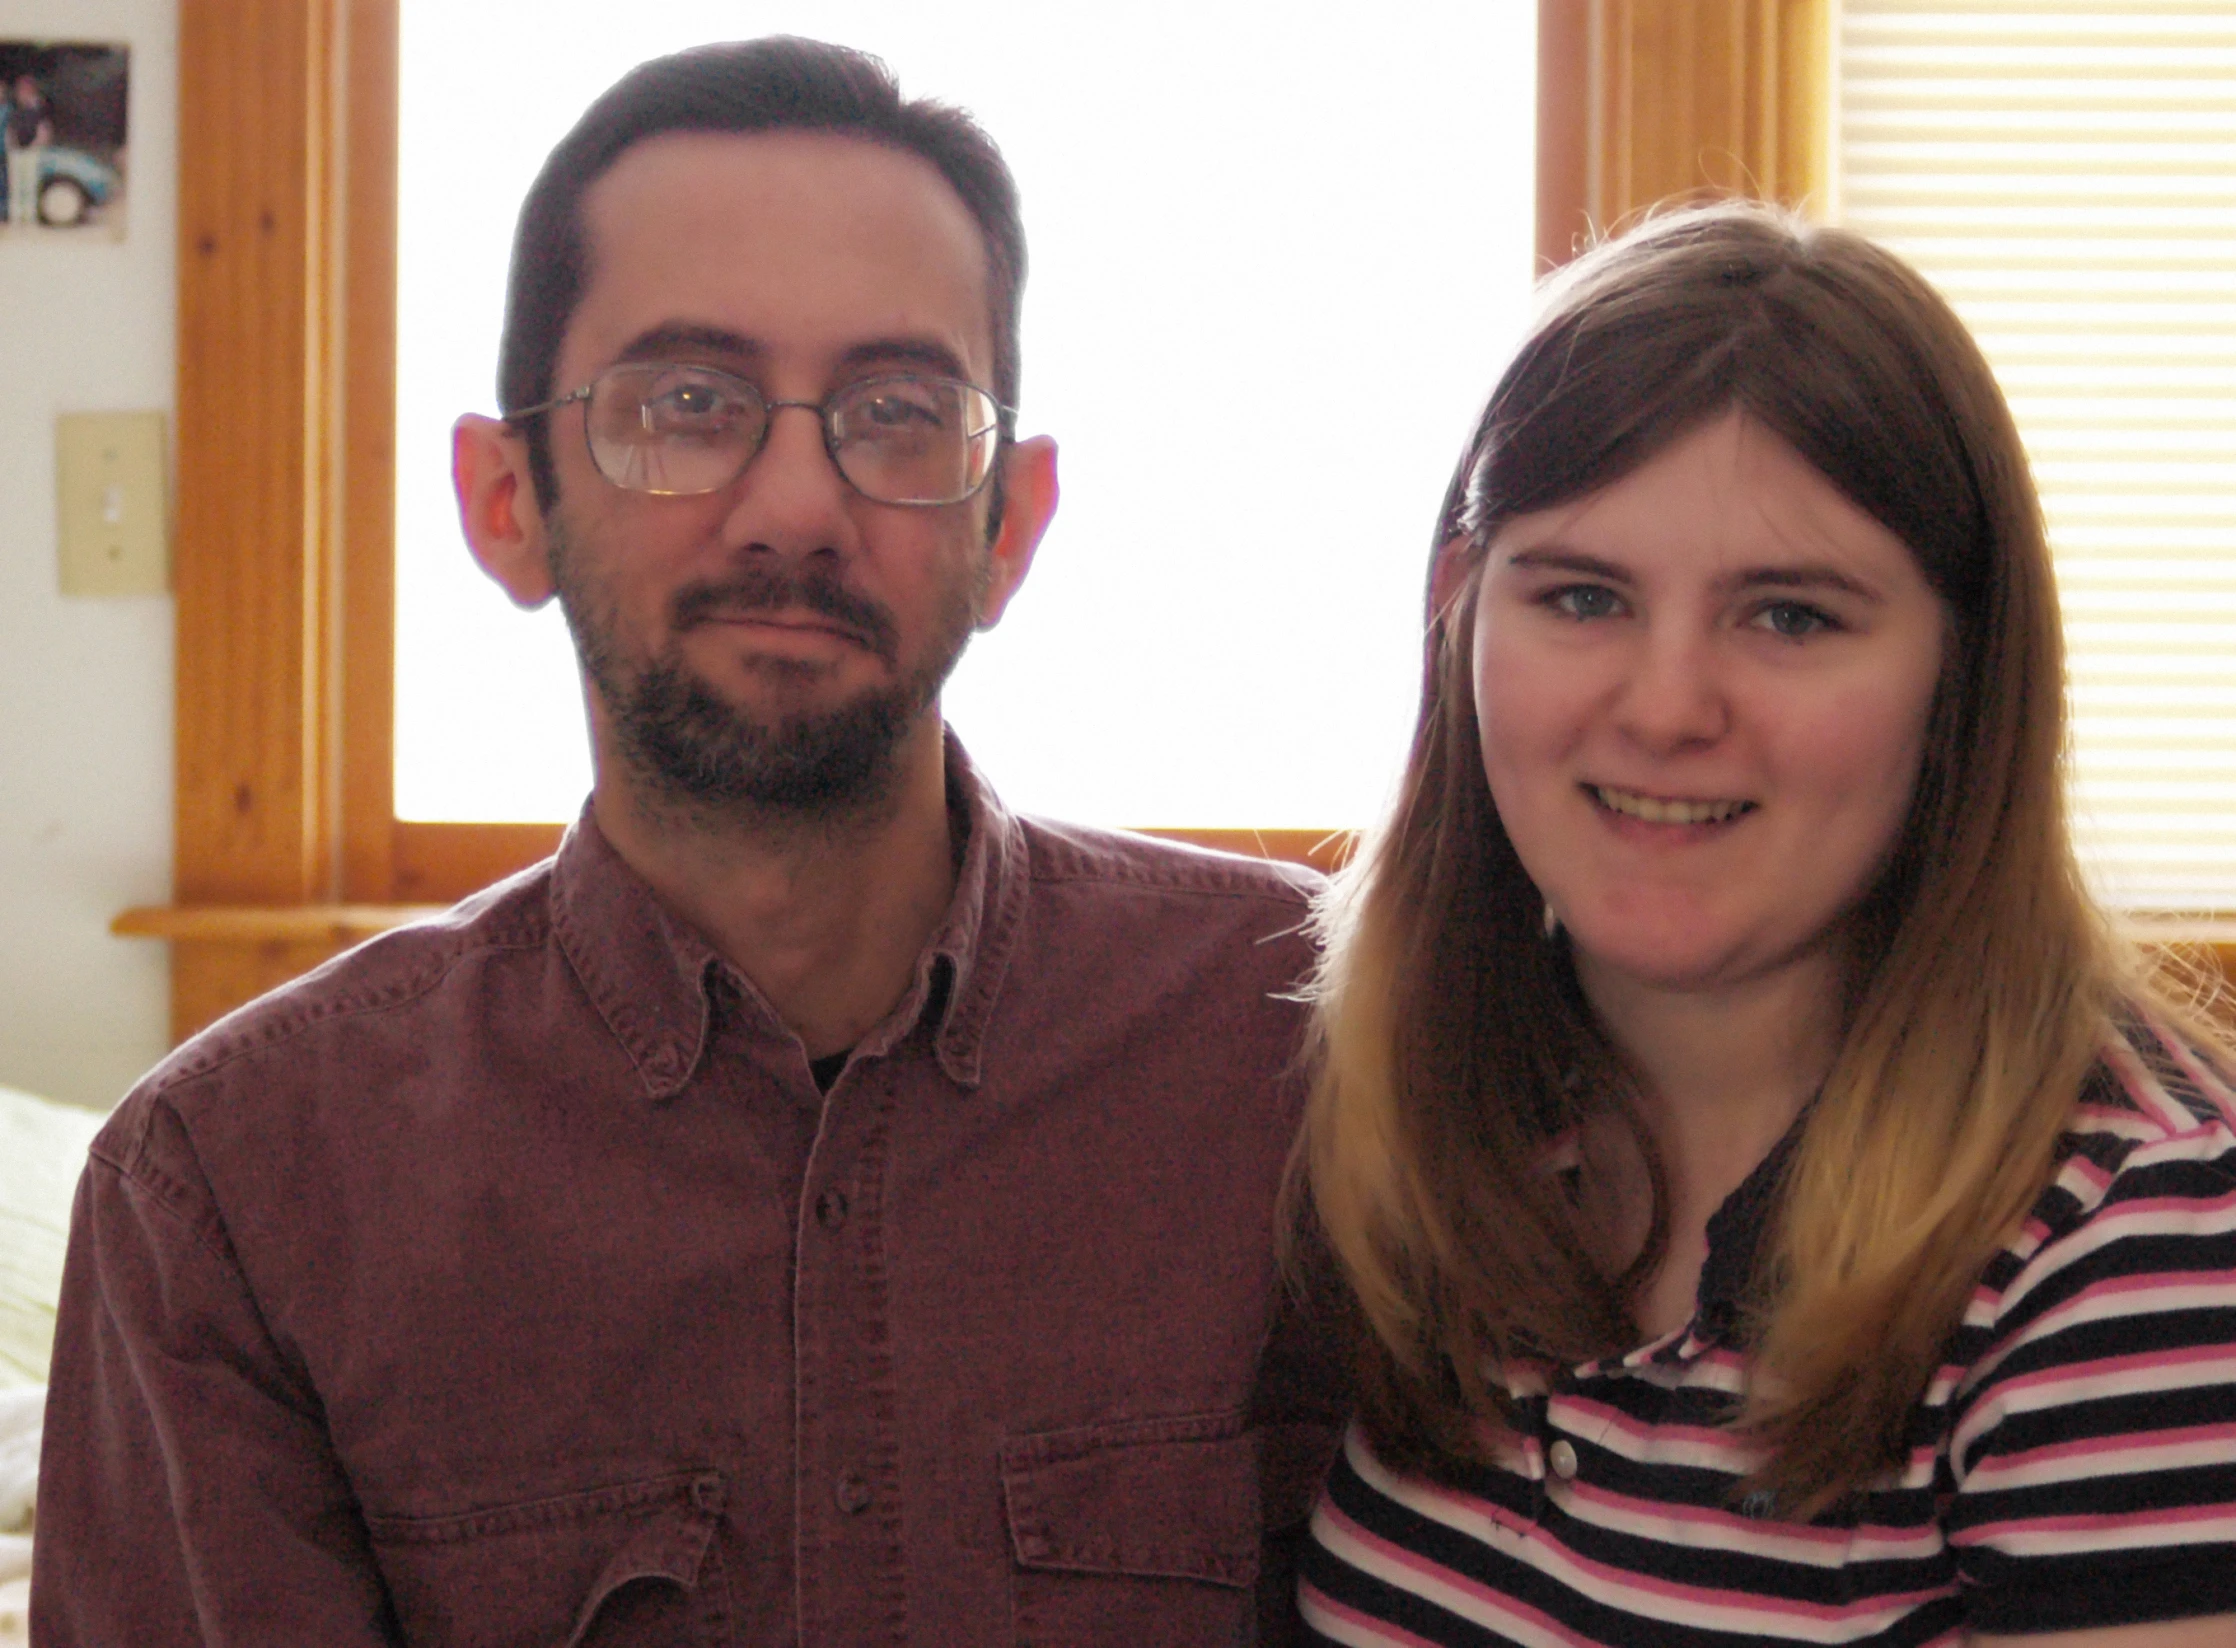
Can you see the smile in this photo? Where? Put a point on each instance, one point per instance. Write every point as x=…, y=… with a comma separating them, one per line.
x=1652, y=809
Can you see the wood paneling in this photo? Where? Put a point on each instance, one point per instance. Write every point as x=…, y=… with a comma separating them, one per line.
x=255, y=816
x=1641, y=101
x=367, y=622
x=1564, y=81
x=285, y=408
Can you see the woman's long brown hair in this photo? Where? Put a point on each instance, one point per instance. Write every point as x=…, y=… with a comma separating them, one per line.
x=1453, y=1047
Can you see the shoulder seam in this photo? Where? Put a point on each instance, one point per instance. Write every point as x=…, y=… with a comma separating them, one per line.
x=302, y=1017
x=159, y=1189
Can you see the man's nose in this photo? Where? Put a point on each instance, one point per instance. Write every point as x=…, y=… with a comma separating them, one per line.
x=791, y=499
x=1675, y=695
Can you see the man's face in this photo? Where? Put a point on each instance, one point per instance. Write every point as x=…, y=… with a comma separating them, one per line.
x=770, y=647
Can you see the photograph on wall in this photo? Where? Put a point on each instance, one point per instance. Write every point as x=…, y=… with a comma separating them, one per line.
x=62, y=110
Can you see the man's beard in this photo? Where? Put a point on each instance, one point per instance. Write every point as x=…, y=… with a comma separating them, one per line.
x=718, y=760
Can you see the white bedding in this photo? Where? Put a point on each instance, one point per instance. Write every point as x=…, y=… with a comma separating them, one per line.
x=42, y=1152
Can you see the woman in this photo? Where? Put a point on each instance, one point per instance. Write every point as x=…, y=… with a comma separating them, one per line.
x=1778, y=1207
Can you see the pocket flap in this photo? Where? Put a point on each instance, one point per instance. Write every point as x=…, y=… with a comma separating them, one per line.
x=526, y=1572
x=1163, y=1498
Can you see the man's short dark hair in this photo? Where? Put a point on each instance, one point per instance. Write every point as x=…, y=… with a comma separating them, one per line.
x=780, y=83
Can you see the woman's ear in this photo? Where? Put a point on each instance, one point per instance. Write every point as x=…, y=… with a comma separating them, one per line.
x=1449, y=573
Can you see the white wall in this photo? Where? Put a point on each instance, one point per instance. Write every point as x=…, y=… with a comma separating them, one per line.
x=85, y=684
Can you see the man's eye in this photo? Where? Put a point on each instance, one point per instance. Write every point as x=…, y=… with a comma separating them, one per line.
x=1793, y=620
x=900, y=409
x=1582, y=601
x=690, y=403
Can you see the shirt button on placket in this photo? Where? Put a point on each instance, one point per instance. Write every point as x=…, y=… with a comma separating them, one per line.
x=853, y=1493
x=830, y=1209
x=1562, y=1456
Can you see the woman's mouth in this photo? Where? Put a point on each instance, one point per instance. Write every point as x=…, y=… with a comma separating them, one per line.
x=1655, y=809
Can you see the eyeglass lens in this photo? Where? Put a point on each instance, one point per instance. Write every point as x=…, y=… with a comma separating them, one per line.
x=681, y=430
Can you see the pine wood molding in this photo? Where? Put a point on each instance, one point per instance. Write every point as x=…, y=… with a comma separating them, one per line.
x=286, y=321
x=1644, y=101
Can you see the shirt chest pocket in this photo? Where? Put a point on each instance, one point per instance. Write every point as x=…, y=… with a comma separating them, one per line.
x=616, y=1567
x=1145, y=1532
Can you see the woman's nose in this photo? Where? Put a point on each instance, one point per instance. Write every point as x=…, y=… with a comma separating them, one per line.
x=1674, y=696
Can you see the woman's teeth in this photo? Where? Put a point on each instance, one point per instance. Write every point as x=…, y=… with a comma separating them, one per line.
x=1655, y=811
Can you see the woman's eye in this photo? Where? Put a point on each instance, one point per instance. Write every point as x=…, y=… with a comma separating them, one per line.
x=1792, y=620
x=1583, y=601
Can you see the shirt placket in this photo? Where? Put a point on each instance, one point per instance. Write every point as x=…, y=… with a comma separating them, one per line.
x=848, y=1558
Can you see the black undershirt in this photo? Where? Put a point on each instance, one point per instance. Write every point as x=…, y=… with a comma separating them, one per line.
x=826, y=1070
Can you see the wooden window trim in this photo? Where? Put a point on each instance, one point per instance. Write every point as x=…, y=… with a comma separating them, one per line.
x=288, y=847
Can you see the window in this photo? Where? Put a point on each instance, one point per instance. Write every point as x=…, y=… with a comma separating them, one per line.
x=2066, y=174
x=289, y=845
x=1276, y=263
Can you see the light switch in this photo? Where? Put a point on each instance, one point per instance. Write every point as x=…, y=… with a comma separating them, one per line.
x=112, y=504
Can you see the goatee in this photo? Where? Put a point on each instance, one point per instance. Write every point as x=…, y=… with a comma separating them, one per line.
x=696, y=750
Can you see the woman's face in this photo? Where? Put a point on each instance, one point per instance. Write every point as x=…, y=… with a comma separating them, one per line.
x=1702, y=694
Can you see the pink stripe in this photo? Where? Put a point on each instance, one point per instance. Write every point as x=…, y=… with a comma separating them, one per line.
x=2081, y=1167
x=1436, y=1493
x=2108, y=1113
x=2073, y=1372
x=1624, y=1584
x=2094, y=1523
x=2148, y=1092
x=2163, y=1204
x=1311, y=1597
x=2210, y=1082
x=1616, y=1419
x=1436, y=1573
x=1704, y=1516
x=2091, y=1446
x=1739, y=1602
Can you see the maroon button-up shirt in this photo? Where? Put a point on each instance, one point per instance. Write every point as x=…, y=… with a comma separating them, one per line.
x=509, y=1282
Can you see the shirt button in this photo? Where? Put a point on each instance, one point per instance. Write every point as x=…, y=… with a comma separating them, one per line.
x=853, y=1493
x=1563, y=1457
x=830, y=1209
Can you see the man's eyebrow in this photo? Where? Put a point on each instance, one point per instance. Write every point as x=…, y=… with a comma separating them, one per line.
x=923, y=352
x=676, y=337
x=672, y=338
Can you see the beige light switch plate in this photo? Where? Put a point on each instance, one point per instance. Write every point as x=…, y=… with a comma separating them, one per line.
x=112, y=506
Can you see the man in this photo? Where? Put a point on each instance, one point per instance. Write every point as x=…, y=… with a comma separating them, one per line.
x=28, y=129
x=817, y=1207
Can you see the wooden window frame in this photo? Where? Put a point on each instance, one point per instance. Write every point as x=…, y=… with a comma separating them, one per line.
x=288, y=847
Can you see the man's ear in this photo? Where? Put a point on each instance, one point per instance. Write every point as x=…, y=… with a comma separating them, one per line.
x=1028, y=504
x=497, y=507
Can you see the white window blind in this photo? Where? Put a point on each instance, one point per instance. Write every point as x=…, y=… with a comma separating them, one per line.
x=2066, y=175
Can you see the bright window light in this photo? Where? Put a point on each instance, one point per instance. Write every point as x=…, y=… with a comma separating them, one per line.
x=2066, y=174
x=1230, y=208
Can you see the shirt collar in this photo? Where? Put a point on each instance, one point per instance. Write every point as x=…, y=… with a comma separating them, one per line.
x=650, y=975
x=1735, y=1233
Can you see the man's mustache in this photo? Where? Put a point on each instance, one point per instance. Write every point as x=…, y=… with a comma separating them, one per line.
x=774, y=590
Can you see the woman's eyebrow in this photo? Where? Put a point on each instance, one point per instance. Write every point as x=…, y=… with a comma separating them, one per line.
x=1560, y=558
x=1800, y=577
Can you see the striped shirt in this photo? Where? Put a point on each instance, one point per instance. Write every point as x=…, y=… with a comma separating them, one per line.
x=2072, y=1465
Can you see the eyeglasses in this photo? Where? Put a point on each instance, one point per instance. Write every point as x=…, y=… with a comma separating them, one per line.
x=681, y=431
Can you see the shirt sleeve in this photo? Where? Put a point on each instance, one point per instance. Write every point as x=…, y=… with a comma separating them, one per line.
x=2094, y=1455
x=188, y=1493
